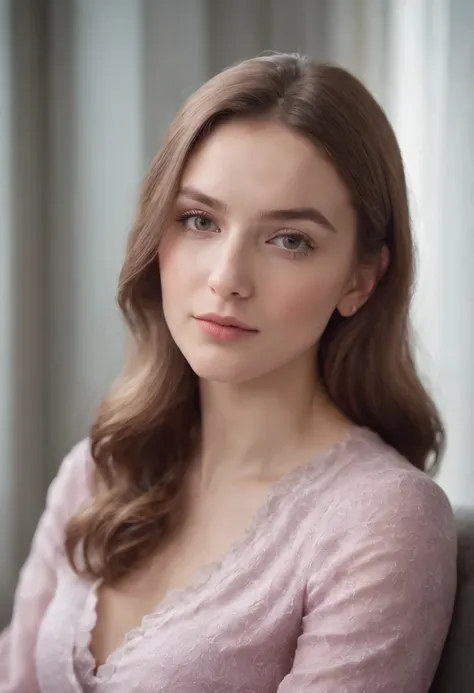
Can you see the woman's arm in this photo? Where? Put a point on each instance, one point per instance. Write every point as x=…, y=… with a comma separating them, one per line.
x=37, y=581
x=379, y=609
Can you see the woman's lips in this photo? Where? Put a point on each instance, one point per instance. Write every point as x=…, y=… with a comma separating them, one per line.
x=224, y=333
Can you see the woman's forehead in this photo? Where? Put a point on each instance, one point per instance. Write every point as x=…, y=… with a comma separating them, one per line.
x=265, y=164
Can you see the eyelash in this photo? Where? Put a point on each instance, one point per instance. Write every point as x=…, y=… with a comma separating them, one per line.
x=294, y=254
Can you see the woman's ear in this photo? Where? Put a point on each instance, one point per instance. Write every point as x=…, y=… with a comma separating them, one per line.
x=363, y=284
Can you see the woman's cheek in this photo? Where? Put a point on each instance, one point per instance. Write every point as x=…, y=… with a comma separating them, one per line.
x=310, y=304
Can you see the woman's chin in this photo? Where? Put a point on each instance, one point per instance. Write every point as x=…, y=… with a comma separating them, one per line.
x=232, y=372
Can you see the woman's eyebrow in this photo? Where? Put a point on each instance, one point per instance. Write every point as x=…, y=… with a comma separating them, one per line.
x=301, y=213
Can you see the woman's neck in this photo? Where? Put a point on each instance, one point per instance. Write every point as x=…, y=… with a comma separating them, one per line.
x=264, y=427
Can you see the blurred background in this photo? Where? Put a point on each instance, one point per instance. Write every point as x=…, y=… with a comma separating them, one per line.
x=87, y=89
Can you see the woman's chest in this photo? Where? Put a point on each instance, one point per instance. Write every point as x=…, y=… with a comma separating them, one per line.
x=234, y=629
x=223, y=610
x=213, y=528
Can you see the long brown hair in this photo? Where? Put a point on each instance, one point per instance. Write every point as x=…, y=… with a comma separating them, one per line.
x=147, y=429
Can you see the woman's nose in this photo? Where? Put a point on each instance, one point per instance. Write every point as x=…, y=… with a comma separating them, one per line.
x=230, y=276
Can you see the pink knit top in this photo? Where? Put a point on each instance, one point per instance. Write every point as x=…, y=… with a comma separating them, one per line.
x=344, y=583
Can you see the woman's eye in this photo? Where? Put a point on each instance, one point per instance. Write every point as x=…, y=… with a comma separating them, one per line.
x=197, y=223
x=294, y=243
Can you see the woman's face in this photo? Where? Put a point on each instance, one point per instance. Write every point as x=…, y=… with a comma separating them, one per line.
x=264, y=235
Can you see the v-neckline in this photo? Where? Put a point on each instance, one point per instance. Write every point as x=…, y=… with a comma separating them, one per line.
x=280, y=488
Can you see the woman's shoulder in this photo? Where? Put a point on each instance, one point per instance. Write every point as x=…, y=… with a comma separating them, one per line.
x=77, y=464
x=72, y=484
x=376, y=473
x=368, y=485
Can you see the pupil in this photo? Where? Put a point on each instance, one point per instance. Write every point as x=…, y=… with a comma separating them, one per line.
x=292, y=242
x=201, y=222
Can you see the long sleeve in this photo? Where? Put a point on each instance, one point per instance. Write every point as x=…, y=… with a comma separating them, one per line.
x=37, y=580
x=379, y=604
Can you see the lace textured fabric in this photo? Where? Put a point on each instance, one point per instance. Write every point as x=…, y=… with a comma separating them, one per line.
x=344, y=583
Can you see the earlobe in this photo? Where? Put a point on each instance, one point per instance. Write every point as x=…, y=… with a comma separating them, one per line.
x=362, y=287
x=348, y=310
x=350, y=302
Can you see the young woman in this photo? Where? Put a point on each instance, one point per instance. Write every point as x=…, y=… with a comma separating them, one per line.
x=253, y=511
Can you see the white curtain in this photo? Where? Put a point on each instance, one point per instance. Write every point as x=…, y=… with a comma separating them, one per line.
x=87, y=89
x=430, y=100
